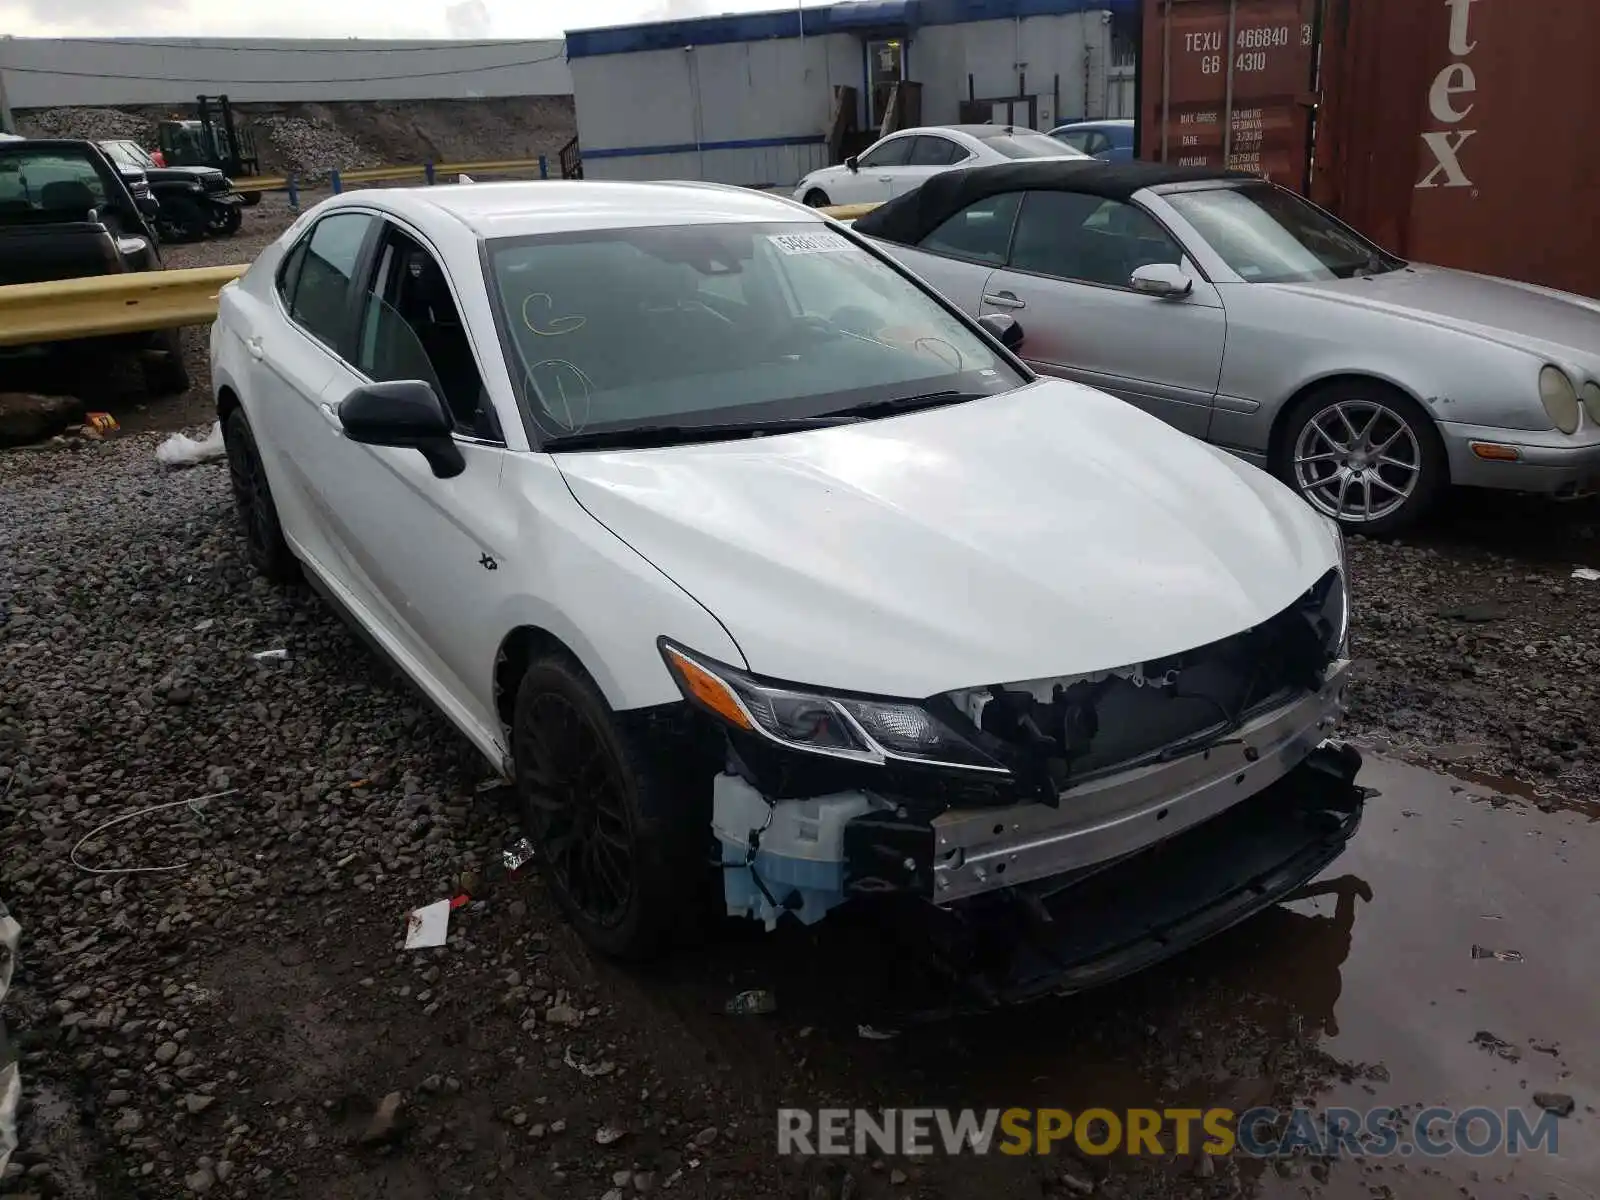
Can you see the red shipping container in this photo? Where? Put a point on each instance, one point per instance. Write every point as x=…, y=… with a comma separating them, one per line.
x=1229, y=82
x=1450, y=131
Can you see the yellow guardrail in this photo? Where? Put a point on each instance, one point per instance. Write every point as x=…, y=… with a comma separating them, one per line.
x=137, y=301
x=102, y=305
x=380, y=174
x=359, y=175
x=501, y=164
x=848, y=212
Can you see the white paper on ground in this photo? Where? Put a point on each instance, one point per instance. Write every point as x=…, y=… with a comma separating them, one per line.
x=428, y=925
x=1589, y=574
x=180, y=451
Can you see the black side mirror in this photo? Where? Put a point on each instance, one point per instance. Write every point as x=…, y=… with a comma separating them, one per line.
x=1005, y=329
x=852, y=163
x=406, y=413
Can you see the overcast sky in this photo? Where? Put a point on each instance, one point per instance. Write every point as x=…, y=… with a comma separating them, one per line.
x=343, y=18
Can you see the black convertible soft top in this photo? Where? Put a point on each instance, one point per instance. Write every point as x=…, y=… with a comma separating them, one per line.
x=909, y=218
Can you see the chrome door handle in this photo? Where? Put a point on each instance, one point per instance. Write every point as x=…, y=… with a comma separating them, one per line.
x=885, y=178
x=1003, y=300
x=254, y=346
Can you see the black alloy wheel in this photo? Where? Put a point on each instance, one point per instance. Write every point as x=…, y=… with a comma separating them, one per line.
x=621, y=819
x=573, y=787
x=268, y=550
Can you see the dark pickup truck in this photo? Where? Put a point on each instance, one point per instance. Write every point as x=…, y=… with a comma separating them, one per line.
x=66, y=213
x=194, y=201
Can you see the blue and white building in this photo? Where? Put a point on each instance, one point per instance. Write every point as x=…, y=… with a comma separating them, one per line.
x=747, y=98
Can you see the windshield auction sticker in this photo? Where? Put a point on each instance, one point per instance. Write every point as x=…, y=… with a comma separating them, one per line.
x=809, y=243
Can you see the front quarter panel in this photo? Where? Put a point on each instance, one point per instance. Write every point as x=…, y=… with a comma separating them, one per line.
x=1282, y=341
x=580, y=582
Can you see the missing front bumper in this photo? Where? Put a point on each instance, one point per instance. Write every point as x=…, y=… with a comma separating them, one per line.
x=805, y=856
x=1010, y=947
x=1103, y=819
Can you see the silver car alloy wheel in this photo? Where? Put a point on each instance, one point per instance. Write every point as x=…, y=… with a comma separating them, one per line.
x=1357, y=461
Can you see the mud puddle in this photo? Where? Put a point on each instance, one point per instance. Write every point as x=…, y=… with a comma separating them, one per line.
x=1451, y=867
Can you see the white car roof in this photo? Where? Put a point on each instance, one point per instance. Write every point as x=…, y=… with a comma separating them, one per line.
x=494, y=210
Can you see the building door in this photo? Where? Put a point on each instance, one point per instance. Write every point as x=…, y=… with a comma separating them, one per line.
x=886, y=64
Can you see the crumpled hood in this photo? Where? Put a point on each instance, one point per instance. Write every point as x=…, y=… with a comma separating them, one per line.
x=1559, y=325
x=1051, y=530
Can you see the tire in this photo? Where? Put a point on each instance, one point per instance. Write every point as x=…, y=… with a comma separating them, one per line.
x=165, y=372
x=621, y=828
x=185, y=220
x=268, y=551
x=1332, y=438
x=817, y=198
x=230, y=222
x=251, y=199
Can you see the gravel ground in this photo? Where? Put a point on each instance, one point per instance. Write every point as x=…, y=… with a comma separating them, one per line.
x=1481, y=661
x=247, y=1024
x=238, y=1023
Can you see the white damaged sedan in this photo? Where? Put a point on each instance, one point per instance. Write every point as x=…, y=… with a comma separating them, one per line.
x=731, y=542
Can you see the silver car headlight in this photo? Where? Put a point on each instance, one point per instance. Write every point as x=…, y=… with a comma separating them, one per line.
x=1560, y=399
x=858, y=728
x=1591, y=400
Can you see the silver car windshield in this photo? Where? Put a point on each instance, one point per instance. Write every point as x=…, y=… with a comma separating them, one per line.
x=1028, y=145
x=1269, y=235
x=689, y=324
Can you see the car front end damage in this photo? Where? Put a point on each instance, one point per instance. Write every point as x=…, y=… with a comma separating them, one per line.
x=1010, y=804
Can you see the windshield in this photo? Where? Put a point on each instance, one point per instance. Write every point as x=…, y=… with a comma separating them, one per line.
x=1029, y=145
x=695, y=324
x=51, y=185
x=1269, y=235
x=128, y=154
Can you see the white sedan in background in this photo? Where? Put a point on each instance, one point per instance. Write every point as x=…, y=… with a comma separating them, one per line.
x=901, y=161
x=714, y=528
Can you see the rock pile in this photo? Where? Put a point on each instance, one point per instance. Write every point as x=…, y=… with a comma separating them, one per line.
x=97, y=124
x=310, y=148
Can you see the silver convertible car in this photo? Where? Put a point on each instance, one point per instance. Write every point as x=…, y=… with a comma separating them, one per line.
x=1247, y=316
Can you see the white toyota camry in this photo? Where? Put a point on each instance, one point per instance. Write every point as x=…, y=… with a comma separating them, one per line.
x=728, y=539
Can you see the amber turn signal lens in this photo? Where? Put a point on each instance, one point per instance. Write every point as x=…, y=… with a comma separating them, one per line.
x=1495, y=452
x=708, y=690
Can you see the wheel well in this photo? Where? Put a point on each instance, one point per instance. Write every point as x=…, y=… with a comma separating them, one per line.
x=519, y=648
x=1280, y=423
x=227, y=401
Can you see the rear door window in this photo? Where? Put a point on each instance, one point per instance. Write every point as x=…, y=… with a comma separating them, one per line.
x=935, y=152
x=49, y=184
x=320, y=299
x=981, y=232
